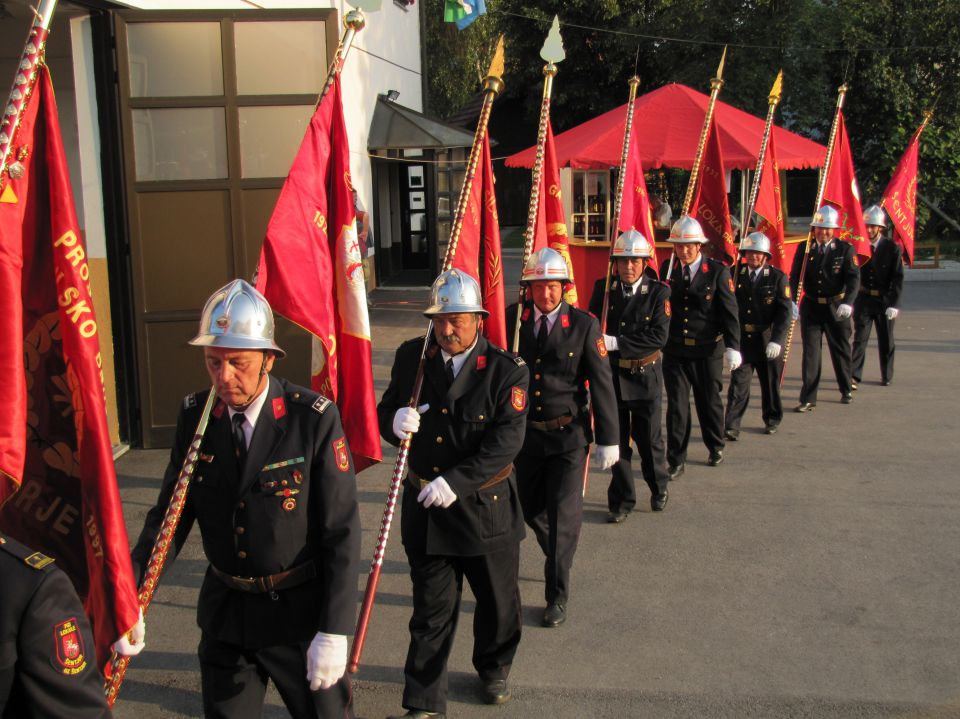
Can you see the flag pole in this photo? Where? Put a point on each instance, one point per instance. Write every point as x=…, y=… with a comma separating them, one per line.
x=634, y=83
x=492, y=86
x=841, y=94
x=552, y=51
x=715, y=84
x=23, y=81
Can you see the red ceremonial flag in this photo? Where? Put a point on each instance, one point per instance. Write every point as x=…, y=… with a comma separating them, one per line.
x=900, y=197
x=311, y=273
x=58, y=485
x=551, y=230
x=635, y=205
x=480, y=242
x=769, y=207
x=841, y=191
x=710, y=207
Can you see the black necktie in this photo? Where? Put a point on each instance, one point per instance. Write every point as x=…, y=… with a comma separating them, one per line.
x=239, y=439
x=448, y=371
x=628, y=291
x=686, y=275
x=542, y=332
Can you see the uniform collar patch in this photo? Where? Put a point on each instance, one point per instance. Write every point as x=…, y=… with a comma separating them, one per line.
x=481, y=362
x=279, y=407
x=564, y=321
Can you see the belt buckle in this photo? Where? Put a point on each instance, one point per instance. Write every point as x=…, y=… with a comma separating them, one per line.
x=689, y=342
x=424, y=483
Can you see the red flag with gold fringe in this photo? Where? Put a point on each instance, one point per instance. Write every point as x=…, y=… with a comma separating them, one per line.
x=635, y=211
x=311, y=272
x=769, y=207
x=710, y=207
x=479, y=247
x=900, y=197
x=551, y=228
x=58, y=485
x=841, y=191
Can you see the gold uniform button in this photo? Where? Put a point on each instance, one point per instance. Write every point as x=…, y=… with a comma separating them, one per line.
x=296, y=395
x=537, y=393
x=686, y=332
x=539, y=409
x=480, y=417
x=538, y=361
x=436, y=469
x=439, y=440
x=685, y=319
x=536, y=376
x=444, y=411
x=240, y=530
x=569, y=354
x=242, y=554
x=242, y=505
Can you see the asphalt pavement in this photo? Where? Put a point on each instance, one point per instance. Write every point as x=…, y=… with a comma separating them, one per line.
x=815, y=573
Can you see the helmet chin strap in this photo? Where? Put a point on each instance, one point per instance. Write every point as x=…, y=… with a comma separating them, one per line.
x=252, y=395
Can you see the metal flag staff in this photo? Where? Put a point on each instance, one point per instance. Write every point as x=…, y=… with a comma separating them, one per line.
x=492, y=86
x=552, y=51
x=353, y=22
x=841, y=94
x=715, y=84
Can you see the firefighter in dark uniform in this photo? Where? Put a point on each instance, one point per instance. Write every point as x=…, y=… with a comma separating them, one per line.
x=638, y=320
x=47, y=663
x=830, y=284
x=461, y=515
x=763, y=299
x=564, y=350
x=704, y=322
x=878, y=302
x=275, y=497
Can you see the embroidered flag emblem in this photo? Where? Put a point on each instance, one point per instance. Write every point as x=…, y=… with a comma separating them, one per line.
x=340, y=453
x=601, y=347
x=518, y=398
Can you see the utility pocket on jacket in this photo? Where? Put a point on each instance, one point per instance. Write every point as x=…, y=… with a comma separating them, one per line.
x=494, y=510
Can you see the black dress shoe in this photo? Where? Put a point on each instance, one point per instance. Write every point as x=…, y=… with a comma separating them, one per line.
x=675, y=472
x=805, y=407
x=616, y=517
x=732, y=434
x=418, y=714
x=770, y=429
x=847, y=398
x=715, y=458
x=659, y=501
x=554, y=615
x=496, y=691
x=885, y=382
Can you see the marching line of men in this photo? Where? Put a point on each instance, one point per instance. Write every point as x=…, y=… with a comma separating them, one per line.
x=497, y=441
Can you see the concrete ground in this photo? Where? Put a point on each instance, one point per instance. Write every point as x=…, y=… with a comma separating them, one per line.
x=815, y=573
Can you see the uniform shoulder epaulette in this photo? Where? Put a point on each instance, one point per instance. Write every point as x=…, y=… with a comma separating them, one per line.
x=517, y=360
x=304, y=396
x=321, y=404
x=190, y=400
x=34, y=560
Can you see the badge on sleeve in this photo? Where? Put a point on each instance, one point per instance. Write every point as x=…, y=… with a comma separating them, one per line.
x=69, y=643
x=340, y=453
x=518, y=398
x=279, y=407
x=730, y=283
x=786, y=292
x=601, y=347
x=666, y=307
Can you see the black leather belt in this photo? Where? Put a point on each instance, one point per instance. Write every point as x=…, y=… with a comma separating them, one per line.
x=755, y=328
x=829, y=300
x=550, y=425
x=637, y=365
x=419, y=482
x=270, y=583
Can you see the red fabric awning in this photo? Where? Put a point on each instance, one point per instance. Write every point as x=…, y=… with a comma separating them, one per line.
x=667, y=124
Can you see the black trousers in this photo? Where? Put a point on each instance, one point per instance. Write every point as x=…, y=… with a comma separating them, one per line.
x=234, y=682
x=437, y=586
x=640, y=421
x=738, y=394
x=703, y=375
x=813, y=326
x=551, y=494
x=863, y=322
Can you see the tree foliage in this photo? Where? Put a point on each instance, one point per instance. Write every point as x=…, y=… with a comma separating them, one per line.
x=898, y=58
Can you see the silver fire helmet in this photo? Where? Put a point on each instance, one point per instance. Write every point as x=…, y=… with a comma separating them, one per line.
x=687, y=231
x=455, y=291
x=545, y=264
x=874, y=215
x=827, y=217
x=756, y=242
x=237, y=317
x=632, y=244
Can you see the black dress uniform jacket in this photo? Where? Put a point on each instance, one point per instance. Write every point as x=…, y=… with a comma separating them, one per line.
x=881, y=278
x=295, y=503
x=472, y=431
x=764, y=308
x=48, y=666
x=830, y=280
x=640, y=324
x=702, y=313
x=573, y=354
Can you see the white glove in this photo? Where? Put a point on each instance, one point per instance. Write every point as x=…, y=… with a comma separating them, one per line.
x=607, y=455
x=773, y=350
x=326, y=660
x=437, y=494
x=892, y=313
x=611, y=342
x=844, y=311
x=794, y=312
x=132, y=643
x=733, y=358
x=407, y=420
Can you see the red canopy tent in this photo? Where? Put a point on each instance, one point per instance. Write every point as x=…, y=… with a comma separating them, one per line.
x=666, y=125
